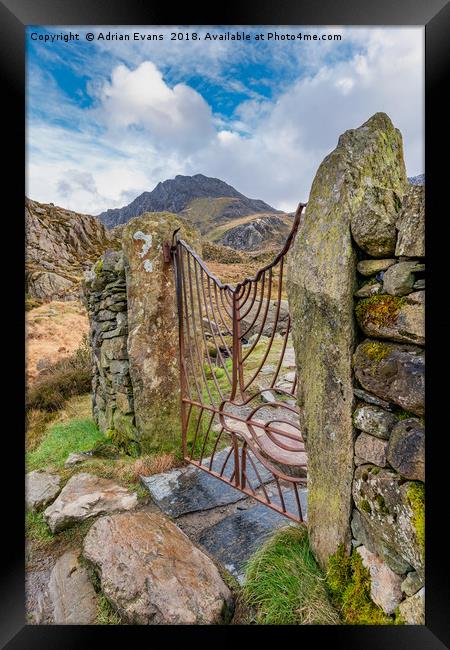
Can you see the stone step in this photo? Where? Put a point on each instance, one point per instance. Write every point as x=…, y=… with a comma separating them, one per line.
x=190, y=489
x=233, y=540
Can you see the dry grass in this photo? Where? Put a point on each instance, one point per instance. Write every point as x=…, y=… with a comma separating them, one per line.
x=148, y=465
x=76, y=408
x=61, y=380
x=37, y=422
x=53, y=331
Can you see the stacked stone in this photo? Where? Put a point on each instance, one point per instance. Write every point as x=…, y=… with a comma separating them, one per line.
x=105, y=297
x=389, y=364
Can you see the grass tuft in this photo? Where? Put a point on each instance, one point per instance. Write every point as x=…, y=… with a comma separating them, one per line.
x=284, y=583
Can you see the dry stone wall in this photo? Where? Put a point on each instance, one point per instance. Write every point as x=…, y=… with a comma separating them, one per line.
x=131, y=300
x=356, y=291
x=389, y=373
x=106, y=300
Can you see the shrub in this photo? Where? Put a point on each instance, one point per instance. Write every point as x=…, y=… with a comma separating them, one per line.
x=62, y=380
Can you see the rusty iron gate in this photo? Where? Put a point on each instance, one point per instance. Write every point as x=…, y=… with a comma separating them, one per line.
x=238, y=382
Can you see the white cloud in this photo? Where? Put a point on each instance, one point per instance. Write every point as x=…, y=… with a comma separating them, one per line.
x=141, y=129
x=175, y=117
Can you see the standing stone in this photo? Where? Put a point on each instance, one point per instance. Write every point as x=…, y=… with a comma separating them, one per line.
x=406, y=451
x=71, y=593
x=385, y=585
x=411, y=223
x=321, y=283
x=153, y=574
x=153, y=346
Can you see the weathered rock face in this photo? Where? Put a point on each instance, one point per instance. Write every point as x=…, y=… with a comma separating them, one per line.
x=374, y=420
x=386, y=503
x=411, y=223
x=371, y=449
x=373, y=223
x=406, y=451
x=390, y=317
x=41, y=489
x=371, y=267
x=385, y=585
x=153, y=325
x=167, y=579
x=400, y=278
x=412, y=610
x=321, y=283
x=85, y=496
x=369, y=289
x=254, y=235
x=71, y=593
x=60, y=245
x=280, y=320
x=394, y=372
x=412, y=583
x=367, y=535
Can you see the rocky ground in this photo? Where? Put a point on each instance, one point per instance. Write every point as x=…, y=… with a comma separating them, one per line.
x=174, y=557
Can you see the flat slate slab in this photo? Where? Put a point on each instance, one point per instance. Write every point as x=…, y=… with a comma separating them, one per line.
x=190, y=489
x=236, y=537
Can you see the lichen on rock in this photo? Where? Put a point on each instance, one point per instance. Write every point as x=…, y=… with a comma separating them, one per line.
x=153, y=347
x=321, y=284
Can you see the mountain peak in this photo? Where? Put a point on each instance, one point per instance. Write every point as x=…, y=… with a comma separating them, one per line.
x=176, y=195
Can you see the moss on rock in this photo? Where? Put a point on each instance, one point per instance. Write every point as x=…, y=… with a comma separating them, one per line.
x=379, y=310
x=349, y=584
x=416, y=498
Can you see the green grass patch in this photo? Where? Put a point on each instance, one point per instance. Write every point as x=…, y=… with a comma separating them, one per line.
x=36, y=530
x=61, y=440
x=106, y=614
x=284, y=583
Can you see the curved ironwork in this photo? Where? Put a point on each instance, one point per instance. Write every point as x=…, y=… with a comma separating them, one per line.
x=237, y=371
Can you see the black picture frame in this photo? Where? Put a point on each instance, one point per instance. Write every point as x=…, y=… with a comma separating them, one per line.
x=15, y=15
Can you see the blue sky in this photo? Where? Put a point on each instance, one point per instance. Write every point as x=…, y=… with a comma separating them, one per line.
x=107, y=120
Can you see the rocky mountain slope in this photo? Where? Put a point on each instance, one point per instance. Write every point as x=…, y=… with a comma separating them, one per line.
x=258, y=233
x=60, y=245
x=204, y=201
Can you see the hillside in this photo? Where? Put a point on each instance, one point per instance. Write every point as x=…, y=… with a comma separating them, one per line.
x=254, y=232
x=60, y=245
x=203, y=200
